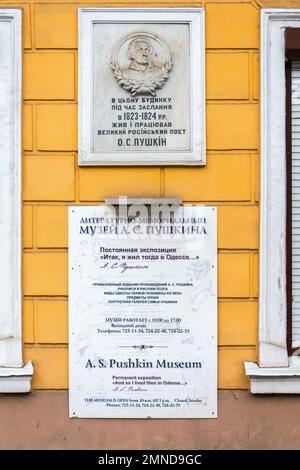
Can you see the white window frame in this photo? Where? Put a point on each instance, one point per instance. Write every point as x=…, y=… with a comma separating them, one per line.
x=275, y=371
x=14, y=376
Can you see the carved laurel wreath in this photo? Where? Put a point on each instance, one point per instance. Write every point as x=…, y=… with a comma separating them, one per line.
x=145, y=86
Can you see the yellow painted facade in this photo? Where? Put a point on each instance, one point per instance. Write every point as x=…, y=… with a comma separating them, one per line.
x=52, y=179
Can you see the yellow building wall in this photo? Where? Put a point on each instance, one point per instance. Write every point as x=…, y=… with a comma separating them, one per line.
x=52, y=179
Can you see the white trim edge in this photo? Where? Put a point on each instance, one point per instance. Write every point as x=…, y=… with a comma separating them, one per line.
x=273, y=379
x=16, y=379
x=272, y=289
x=275, y=371
x=10, y=188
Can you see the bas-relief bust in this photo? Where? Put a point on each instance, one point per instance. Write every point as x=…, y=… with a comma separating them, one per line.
x=147, y=69
x=141, y=67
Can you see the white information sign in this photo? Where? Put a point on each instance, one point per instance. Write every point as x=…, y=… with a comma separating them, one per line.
x=143, y=312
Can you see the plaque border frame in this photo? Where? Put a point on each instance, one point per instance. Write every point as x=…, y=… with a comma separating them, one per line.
x=195, y=17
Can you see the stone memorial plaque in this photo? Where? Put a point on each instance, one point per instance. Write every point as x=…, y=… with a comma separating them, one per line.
x=141, y=86
x=142, y=313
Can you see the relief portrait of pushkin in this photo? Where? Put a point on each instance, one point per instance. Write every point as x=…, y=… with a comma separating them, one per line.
x=141, y=63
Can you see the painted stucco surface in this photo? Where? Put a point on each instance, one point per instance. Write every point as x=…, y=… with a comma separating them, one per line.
x=245, y=422
x=52, y=179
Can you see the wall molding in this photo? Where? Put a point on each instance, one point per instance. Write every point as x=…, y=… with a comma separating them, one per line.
x=274, y=379
x=11, y=361
x=16, y=379
x=273, y=353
